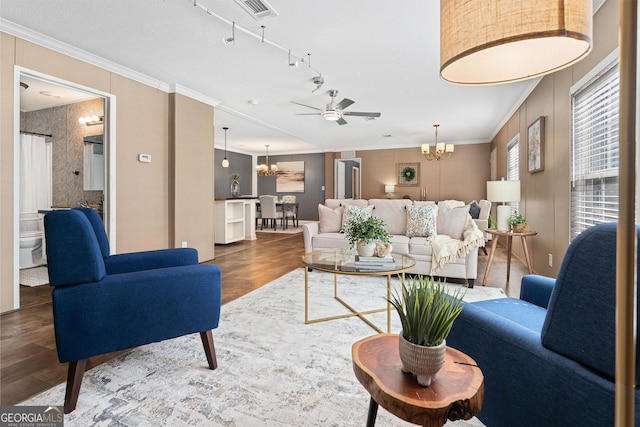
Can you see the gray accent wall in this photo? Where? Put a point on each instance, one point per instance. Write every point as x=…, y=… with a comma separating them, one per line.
x=238, y=163
x=313, y=182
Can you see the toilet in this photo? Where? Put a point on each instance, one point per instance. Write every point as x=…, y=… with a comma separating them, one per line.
x=32, y=249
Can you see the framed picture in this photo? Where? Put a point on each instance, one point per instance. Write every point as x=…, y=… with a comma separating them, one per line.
x=535, y=146
x=290, y=177
x=408, y=174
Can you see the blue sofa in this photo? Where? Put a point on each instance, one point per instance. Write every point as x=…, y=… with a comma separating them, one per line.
x=104, y=303
x=548, y=358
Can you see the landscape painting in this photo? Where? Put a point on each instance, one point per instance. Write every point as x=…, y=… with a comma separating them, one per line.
x=290, y=177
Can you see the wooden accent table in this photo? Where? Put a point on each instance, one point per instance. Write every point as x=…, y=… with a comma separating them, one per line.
x=510, y=235
x=456, y=393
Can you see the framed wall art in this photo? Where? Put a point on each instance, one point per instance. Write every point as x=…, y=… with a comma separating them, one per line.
x=290, y=177
x=408, y=174
x=535, y=146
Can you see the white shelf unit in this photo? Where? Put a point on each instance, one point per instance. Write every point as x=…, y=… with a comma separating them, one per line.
x=230, y=221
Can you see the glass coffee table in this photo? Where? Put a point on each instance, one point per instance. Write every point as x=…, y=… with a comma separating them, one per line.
x=342, y=261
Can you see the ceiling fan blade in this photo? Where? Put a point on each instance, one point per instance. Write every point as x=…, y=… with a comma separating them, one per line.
x=305, y=105
x=344, y=104
x=308, y=114
x=341, y=121
x=359, y=113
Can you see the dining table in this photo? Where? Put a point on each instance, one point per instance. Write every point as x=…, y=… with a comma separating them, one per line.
x=284, y=206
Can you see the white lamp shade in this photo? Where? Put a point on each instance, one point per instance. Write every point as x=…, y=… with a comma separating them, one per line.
x=503, y=191
x=425, y=148
x=492, y=42
x=389, y=188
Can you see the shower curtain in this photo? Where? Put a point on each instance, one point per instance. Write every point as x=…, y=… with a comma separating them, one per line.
x=35, y=173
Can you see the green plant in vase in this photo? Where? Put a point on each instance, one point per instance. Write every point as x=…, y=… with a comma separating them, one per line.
x=427, y=313
x=363, y=234
x=235, y=184
x=518, y=222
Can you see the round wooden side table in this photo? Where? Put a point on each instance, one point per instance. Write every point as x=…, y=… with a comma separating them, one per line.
x=456, y=393
x=509, y=235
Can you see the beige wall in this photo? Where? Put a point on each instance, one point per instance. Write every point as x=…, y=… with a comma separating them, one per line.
x=144, y=214
x=546, y=194
x=463, y=176
x=191, y=142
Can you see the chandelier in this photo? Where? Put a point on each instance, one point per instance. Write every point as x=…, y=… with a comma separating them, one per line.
x=265, y=169
x=442, y=150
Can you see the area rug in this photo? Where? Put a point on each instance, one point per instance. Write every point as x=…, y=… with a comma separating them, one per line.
x=35, y=276
x=289, y=230
x=273, y=370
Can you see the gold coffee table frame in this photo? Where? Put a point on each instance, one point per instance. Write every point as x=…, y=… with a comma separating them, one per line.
x=341, y=261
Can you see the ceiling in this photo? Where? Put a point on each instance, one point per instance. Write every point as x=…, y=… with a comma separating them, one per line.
x=383, y=55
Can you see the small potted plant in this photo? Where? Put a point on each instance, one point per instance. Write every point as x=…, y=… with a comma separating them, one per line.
x=363, y=234
x=518, y=222
x=235, y=184
x=427, y=314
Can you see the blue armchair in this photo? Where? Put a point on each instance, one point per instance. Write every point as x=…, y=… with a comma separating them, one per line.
x=104, y=303
x=548, y=358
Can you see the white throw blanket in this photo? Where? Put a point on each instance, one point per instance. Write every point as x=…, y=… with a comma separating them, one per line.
x=446, y=249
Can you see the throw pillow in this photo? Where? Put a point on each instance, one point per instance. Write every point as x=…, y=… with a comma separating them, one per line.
x=474, y=209
x=421, y=220
x=330, y=219
x=354, y=213
x=452, y=221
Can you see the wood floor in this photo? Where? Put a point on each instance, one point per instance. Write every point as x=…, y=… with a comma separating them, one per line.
x=28, y=359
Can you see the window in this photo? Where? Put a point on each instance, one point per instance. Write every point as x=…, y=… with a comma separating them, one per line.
x=513, y=164
x=595, y=151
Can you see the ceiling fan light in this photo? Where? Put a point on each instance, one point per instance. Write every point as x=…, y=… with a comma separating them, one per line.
x=332, y=115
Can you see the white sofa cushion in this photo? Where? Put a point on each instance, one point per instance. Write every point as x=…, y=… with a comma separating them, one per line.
x=393, y=213
x=421, y=220
x=334, y=203
x=330, y=219
x=452, y=221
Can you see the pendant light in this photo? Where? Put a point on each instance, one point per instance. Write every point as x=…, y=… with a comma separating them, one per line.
x=501, y=41
x=225, y=162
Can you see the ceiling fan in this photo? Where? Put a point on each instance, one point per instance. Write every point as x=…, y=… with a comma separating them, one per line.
x=335, y=111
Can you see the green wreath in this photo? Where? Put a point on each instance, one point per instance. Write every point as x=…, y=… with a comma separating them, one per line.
x=408, y=174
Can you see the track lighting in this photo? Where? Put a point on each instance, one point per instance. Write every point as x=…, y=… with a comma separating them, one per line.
x=293, y=63
x=231, y=39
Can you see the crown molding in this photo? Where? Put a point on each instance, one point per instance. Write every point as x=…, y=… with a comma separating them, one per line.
x=72, y=51
x=183, y=90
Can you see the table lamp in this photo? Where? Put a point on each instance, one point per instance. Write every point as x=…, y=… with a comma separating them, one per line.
x=389, y=189
x=503, y=191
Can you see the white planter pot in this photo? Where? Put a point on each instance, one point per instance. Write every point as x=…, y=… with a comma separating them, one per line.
x=423, y=362
x=365, y=249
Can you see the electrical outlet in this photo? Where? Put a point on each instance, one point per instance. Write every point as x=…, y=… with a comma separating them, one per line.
x=184, y=244
x=550, y=260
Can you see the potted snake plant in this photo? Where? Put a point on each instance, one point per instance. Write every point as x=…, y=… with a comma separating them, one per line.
x=427, y=314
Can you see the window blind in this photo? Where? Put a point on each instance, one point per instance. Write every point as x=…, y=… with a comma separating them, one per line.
x=595, y=151
x=513, y=164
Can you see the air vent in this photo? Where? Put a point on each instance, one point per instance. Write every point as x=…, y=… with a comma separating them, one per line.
x=347, y=154
x=258, y=9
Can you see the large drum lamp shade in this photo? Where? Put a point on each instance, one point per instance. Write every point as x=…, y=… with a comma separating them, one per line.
x=485, y=42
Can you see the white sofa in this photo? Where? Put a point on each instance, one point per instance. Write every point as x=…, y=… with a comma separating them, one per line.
x=394, y=213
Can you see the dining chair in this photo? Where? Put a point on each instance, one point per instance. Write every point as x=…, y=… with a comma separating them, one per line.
x=269, y=211
x=290, y=211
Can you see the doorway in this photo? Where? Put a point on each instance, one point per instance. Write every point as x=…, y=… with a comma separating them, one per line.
x=58, y=113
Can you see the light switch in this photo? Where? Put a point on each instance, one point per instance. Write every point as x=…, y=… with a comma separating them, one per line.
x=144, y=158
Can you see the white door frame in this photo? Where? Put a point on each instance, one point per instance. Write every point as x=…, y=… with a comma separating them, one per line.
x=110, y=146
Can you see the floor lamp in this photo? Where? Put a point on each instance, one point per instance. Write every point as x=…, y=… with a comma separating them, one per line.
x=503, y=191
